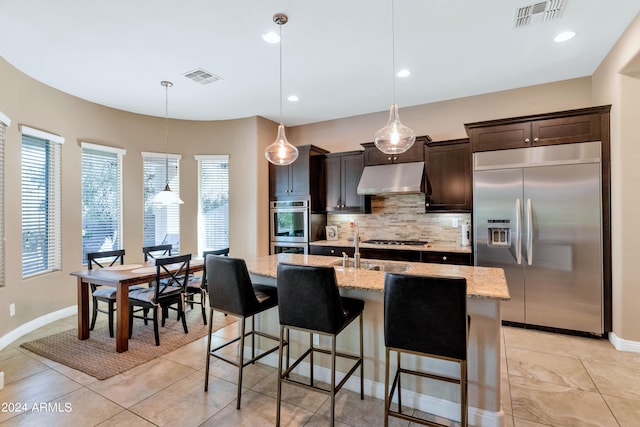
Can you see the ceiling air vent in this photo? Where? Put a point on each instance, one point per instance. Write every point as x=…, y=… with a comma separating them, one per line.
x=202, y=76
x=539, y=12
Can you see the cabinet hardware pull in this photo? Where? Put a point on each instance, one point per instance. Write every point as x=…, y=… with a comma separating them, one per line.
x=444, y=258
x=535, y=139
x=526, y=140
x=389, y=158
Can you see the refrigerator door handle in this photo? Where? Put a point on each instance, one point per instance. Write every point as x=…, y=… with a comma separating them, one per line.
x=518, y=232
x=529, y=233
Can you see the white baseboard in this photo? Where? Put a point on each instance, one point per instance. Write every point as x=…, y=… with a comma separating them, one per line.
x=423, y=402
x=624, y=345
x=36, y=323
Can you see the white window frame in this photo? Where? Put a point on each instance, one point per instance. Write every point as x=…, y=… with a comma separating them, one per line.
x=110, y=154
x=5, y=122
x=167, y=218
x=204, y=226
x=53, y=212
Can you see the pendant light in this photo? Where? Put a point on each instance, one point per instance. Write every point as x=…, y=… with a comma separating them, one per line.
x=166, y=197
x=394, y=138
x=281, y=152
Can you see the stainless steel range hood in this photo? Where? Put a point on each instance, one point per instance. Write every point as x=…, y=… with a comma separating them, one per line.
x=392, y=179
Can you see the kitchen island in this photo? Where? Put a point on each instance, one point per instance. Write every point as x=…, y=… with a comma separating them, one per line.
x=486, y=287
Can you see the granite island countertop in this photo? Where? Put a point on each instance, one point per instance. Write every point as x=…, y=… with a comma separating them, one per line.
x=433, y=246
x=482, y=282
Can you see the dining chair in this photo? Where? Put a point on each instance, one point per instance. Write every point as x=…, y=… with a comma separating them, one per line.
x=427, y=318
x=151, y=252
x=197, y=285
x=166, y=293
x=104, y=294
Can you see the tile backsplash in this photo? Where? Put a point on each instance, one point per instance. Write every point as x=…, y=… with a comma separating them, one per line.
x=401, y=217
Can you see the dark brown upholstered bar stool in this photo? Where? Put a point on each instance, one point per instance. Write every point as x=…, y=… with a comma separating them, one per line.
x=309, y=301
x=197, y=286
x=231, y=292
x=425, y=316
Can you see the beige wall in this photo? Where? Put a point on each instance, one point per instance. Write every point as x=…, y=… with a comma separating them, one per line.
x=445, y=120
x=616, y=82
x=31, y=103
x=28, y=102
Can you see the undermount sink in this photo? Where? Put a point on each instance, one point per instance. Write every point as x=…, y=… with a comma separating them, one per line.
x=375, y=266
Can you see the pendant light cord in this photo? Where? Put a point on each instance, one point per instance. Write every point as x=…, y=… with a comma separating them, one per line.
x=393, y=54
x=166, y=131
x=280, y=47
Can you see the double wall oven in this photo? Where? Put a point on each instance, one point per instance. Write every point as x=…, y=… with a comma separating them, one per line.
x=293, y=226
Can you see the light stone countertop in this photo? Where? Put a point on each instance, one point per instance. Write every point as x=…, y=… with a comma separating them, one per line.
x=482, y=282
x=435, y=246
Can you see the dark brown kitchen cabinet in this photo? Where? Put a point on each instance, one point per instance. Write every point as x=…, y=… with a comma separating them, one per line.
x=448, y=176
x=563, y=127
x=331, y=250
x=457, y=258
x=373, y=156
x=342, y=174
x=300, y=178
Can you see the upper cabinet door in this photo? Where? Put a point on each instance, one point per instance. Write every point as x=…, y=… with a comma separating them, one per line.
x=501, y=137
x=333, y=179
x=448, y=176
x=583, y=128
x=352, y=166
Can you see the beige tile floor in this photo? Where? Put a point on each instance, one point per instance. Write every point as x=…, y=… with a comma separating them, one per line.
x=547, y=380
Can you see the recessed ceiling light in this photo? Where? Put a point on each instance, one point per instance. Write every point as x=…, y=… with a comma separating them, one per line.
x=564, y=36
x=403, y=73
x=271, y=37
x=293, y=98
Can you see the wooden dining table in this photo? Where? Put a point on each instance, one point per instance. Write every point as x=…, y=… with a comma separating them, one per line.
x=120, y=277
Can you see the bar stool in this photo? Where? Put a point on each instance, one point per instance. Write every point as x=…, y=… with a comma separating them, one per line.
x=309, y=301
x=231, y=292
x=425, y=316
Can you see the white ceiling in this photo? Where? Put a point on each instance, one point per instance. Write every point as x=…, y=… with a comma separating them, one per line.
x=337, y=54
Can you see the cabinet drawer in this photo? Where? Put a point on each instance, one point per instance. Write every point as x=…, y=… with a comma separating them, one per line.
x=331, y=250
x=446, y=258
x=390, y=254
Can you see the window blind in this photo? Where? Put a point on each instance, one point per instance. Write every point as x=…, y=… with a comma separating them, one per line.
x=2, y=130
x=161, y=224
x=213, y=202
x=40, y=205
x=101, y=199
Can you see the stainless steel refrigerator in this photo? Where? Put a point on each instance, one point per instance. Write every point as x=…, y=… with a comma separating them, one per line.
x=538, y=215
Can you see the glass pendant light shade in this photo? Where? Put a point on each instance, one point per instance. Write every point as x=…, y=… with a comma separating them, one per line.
x=281, y=152
x=394, y=138
x=167, y=197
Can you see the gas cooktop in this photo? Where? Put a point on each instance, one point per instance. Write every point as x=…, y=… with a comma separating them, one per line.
x=396, y=242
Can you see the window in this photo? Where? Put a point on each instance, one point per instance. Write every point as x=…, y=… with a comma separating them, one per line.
x=161, y=222
x=40, y=202
x=101, y=198
x=4, y=122
x=213, y=202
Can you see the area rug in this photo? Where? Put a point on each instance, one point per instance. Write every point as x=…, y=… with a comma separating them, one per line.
x=97, y=355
